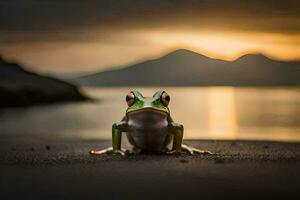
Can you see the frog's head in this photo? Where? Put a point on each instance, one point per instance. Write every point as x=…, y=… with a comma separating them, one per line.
x=136, y=102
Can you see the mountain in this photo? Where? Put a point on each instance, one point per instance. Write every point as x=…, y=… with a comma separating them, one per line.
x=186, y=68
x=19, y=87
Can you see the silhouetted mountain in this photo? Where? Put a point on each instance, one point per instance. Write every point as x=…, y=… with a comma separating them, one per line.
x=186, y=68
x=19, y=87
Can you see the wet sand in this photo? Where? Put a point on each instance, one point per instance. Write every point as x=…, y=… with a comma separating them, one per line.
x=63, y=169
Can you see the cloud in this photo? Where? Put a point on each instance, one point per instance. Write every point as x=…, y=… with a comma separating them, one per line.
x=66, y=20
x=78, y=35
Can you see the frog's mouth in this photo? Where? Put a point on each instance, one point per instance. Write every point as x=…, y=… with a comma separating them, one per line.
x=149, y=110
x=148, y=114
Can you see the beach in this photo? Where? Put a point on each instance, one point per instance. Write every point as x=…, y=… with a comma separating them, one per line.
x=63, y=169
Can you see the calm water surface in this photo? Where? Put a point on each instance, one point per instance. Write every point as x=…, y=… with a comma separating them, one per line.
x=205, y=112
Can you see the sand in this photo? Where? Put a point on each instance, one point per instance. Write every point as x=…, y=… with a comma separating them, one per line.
x=63, y=169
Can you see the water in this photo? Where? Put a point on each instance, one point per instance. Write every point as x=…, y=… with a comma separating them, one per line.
x=205, y=112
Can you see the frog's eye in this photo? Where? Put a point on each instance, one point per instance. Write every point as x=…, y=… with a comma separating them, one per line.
x=165, y=98
x=130, y=98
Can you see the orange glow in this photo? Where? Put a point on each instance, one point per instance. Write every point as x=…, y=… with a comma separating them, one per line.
x=229, y=46
x=136, y=46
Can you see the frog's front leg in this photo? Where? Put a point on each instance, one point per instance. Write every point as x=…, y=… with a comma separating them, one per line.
x=117, y=130
x=177, y=131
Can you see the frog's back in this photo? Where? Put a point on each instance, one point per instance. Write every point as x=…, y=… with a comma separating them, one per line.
x=148, y=129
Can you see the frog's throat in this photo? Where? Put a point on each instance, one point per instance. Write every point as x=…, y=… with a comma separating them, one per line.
x=154, y=109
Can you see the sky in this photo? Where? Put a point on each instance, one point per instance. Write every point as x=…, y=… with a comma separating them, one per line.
x=72, y=36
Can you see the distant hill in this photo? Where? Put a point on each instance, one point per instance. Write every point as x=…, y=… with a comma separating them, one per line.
x=19, y=87
x=186, y=68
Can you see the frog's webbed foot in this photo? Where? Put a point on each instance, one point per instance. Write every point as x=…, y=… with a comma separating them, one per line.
x=109, y=150
x=192, y=150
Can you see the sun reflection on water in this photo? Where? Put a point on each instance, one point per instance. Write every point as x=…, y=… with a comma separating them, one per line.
x=222, y=117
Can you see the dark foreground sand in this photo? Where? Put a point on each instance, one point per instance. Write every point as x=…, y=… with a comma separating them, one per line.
x=63, y=169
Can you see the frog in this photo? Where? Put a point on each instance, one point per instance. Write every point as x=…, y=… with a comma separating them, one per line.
x=149, y=128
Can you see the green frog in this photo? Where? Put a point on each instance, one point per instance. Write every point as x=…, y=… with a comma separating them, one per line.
x=148, y=127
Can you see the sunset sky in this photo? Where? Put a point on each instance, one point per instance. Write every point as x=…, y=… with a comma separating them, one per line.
x=56, y=36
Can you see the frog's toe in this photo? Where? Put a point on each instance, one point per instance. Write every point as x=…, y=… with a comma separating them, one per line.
x=192, y=150
x=205, y=152
x=187, y=149
x=109, y=151
x=100, y=152
x=170, y=152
